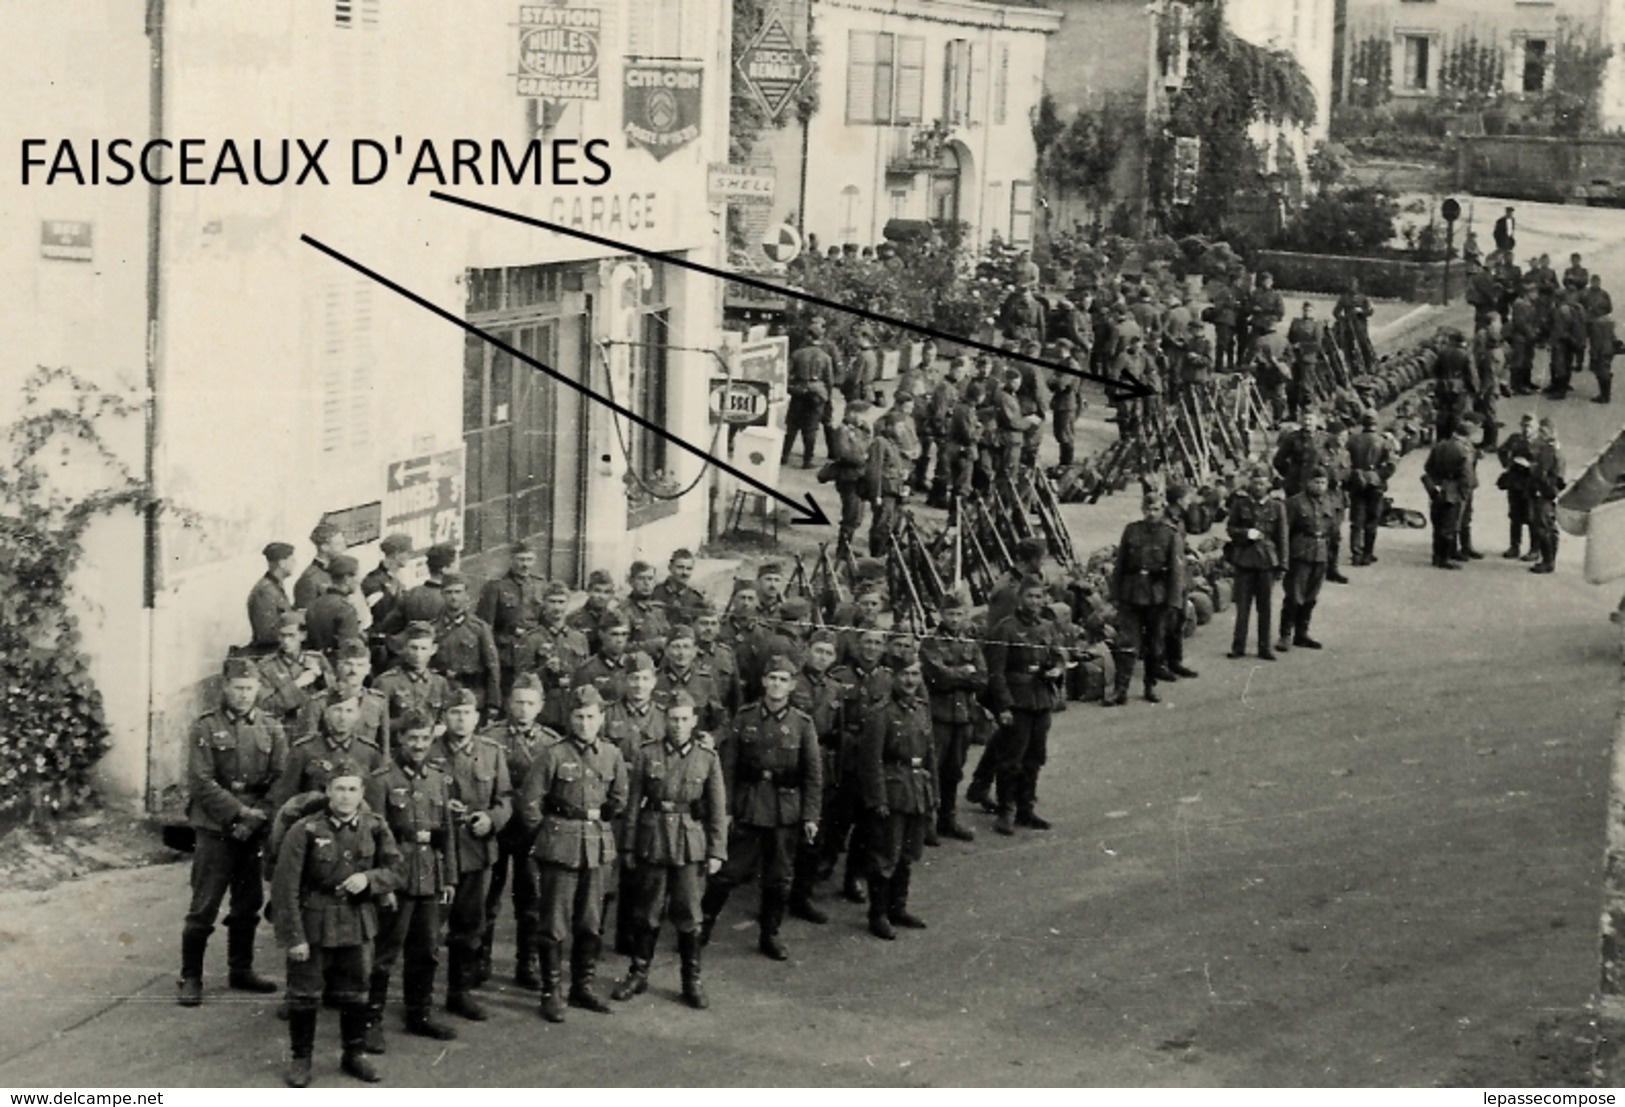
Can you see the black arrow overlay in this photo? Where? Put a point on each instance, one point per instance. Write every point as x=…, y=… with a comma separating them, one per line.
x=1128, y=387
x=809, y=512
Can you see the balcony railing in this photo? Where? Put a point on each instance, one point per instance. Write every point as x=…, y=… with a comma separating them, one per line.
x=917, y=147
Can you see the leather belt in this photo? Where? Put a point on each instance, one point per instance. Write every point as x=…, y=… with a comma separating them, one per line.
x=560, y=809
x=907, y=762
x=674, y=807
x=783, y=780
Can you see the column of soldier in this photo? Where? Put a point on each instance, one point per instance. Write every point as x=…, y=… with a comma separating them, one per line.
x=389, y=759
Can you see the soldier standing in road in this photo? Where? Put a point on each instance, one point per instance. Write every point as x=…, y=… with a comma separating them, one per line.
x=849, y=469
x=1454, y=380
x=1523, y=333
x=675, y=834
x=412, y=794
x=311, y=758
x=1299, y=452
x=289, y=677
x=887, y=484
x=333, y=868
x=1148, y=578
x=573, y=794
x=1303, y=339
x=382, y=591
x=629, y=721
x=773, y=772
x=955, y=673
x=331, y=617
x=810, y=381
x=235, y=753
x=1352, y=315
x=511, y=606
x=268, y=601
x=1258, y=551
x=411, y=683
x=1173, y=665
x=1445, y=476
x=1599, y=309
x=330, y=543
x=1311, y=519
x=464, y=648
x=681, y=599
x=1464, y=540
x=1569, y=339
x=1545, y=483
x=521, y=739
x=822, y=697
x=481, y=803
x=554, y=651
x=1025, y=664
x=1371, y=464
x=1517, y=454
x=859, y=676
x=897, y=770
x=1337, y=466
x=1487, y=346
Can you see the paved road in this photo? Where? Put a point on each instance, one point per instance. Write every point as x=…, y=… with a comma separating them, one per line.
x=1375, y=865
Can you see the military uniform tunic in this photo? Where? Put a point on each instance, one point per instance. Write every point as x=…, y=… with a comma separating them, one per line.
x=1020, y=651
x=572, y=795
x=682, y=600
x=677, y=820
x=521, y=746
x=896, y=760
x=311, y=760
x=280, y=693
x=953, y=694
x=553, y=653
x=511, y=606
x=267, y=603
x=773, y=772
x=372, y=725
x=330, y=620
x=408, y=689
x=700, y=682
x=1311, y=524
x=466, y=653
x=413, y=803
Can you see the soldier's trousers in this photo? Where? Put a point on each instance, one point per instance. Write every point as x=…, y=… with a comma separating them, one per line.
x=1365, y=516
x=412, y=930
x=572, y=901
x=1521, y=366
x=802, y=420
x=953, y=745
x=888, y=513
x=895, y=842
x=1173, y=636
x=1066, y=434
x=514, y=848
x=1019, y=752
x=1446, y=519
x=1464, y=528
x=655, y=885
x=930, y=449
x=955, y=464
x=768, y=850
x=339, y=972
x=1140, y=632
x=809, y=855
x=465, y=918
x=1224, y=348
x=1563, y=358
x=842, y=827
x=1334, y=540
x=220, y=864
x=1519, y=516
x=1252, y=588
x=851, y=511
x=1543, y=529
x=1303, y=581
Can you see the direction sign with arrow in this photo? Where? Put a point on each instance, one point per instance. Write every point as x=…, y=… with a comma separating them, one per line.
x=808, y=512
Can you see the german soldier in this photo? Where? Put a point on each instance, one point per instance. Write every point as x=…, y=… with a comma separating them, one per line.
x=858, y=676
x=553, y=650
x=955, y=673
x=897, y=767
x=330, y=543
x=849, y=468
x=1337, y=466
x=235, y=753
x=268, y=601
x=1025, y=665
x=599, y=612
x=411, y=683
x=681, y=670
x=312, y=757
x=1545, y=483
x=1517, y=453
x=424, y=603
x=1599, y=309
x=1371, y=464
x=605, y=670
x=675, y=834
x=1445, y=476
x=711, y=651
x=822, y=697
x=412, y=794
x=331, y=617
x=511, y=606
x=332, y=868
x=481, y=803
x=1259, y=546
x=681, y=599
x=521, y=739
x=811, y=377
x=382, y=591
x=289, y=677
x=464, y=648
x=1148, y=578
x=1180, y=514
x=353, y=664
x=1311, y=520
x=630, y=721
x=573, y=793
x=773, y=771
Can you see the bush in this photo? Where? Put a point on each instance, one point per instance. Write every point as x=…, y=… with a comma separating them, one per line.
x=1357, y=221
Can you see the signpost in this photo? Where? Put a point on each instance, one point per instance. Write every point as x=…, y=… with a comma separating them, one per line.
x=1451, y=210
x=423, y=498
x=773, y=66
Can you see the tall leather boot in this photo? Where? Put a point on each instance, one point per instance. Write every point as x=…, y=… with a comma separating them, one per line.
x=626, y=927
x=1605, y=390
x=1515, y=541
x=711, y=905
x=1151, y=686
x=897, y=912
x=636, y=980
x=479, y=967
x=1122, y=677
x=194, y=944
x=459, y=985
x=801, y=887
x=879, y=924
x=240, y=961
x=583, y=968
x=1300, y=635
x=524, y=967
x=769, y=943
x=1370, y=544
x=353, y=1030
x=688, y=948
x=377, y=992
x=552, y=958
x=301, y=1044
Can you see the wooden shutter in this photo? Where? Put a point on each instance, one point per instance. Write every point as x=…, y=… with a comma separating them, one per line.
x=1021, y=213
x=976, y=112
x=860, y=77
x=910, y=102
x=1001, y=84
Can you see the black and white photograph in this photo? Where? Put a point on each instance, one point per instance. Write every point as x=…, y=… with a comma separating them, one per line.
x=880, y=544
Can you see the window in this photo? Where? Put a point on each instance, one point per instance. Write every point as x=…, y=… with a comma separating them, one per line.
x=964, y=82
x=346, y=378
x=899, y=203
x=1001, y=83
x=1416, y=63
x=1021, y=213
x=1537, y=65
x=650, y=379
x=885, y=78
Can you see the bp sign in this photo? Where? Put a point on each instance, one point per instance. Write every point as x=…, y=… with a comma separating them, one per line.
x=742, y=403
x=773, y=66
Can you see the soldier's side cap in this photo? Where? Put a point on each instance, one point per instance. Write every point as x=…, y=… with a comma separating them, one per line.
x=770, y=568
x=1032, y=581
x=290, y=619
x=1030, y=548
x=859, y=407
x=238, y=668
x=679, y=633
x=449, y=580
x=441, y=557
x=704, y=606
x=743, y=584
x=396, y=544
x=343, y=767
x=898, y=660
x=616, y=620
x=277, y=551
x=1316, y=473
x=323, y=532
x=779, y=663
x=640, y=566
x=1177, y=490
x=795, y=608
x=823, y=636
x=638, y=662
x=521, y=547
x=952, y=601
x=556, y=588
x=527, y=682
x=419, y=629
x=585, y=695
x=352, y=647
x=680, y=698
x=1369, y=420
x=413, y=718
x=1528, y=417
x=463, y=697
x=871, y=568
x=1334, y=425
x=869, y=586
x=343, y=566
x=600, y=576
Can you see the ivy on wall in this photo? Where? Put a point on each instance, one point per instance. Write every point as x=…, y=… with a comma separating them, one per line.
x=747, y=119
x=53, y=727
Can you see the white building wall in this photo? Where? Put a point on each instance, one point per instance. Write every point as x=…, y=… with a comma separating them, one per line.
x=1305, y=29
